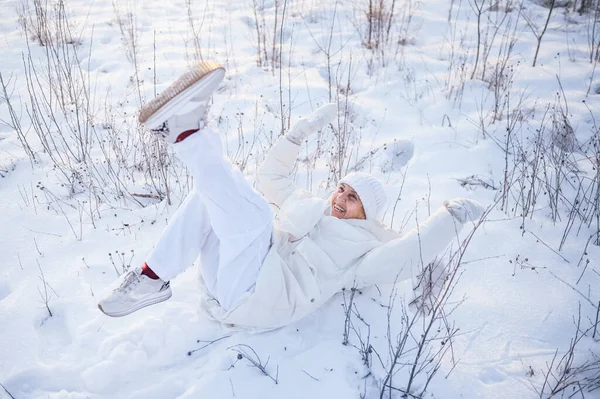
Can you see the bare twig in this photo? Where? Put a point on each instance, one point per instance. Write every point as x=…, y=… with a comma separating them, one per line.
x=206, y=344
x=6, y=390
x=539, y=35
x=316, y=379
x=45, y=295
x=348, y=311
x=596, y=322
x=255, y=360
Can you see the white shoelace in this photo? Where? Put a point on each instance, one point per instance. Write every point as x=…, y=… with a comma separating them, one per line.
x=130, y=280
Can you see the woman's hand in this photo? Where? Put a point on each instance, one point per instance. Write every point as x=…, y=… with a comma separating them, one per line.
x=463, y=209
x=315, y=122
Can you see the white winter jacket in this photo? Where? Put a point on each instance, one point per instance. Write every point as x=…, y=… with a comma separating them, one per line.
x=314, y=255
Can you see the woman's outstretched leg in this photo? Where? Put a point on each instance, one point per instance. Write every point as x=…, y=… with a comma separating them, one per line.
x=181, y=242
x=225, y=221
x=239, y=216
x=177, y=248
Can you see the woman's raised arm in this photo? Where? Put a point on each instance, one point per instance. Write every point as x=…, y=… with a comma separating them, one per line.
x=274, y=174
x=405, y=257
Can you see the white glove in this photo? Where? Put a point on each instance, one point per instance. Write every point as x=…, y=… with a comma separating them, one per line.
x=316, y=121
x=464, y=209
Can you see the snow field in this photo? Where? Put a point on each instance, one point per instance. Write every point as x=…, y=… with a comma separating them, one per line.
x=404, y=106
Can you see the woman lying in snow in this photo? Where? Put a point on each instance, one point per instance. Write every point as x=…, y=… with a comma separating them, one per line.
x=260, y=270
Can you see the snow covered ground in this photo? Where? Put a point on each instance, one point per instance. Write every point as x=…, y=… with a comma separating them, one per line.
x=426, y=108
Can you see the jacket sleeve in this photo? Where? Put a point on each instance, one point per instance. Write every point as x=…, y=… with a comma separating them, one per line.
x=274, y=173
x=406, y=256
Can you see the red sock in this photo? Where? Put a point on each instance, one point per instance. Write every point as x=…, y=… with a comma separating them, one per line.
x=185, y=135
x=146, y=271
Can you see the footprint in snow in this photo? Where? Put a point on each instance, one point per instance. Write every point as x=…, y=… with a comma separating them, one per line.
x=490, y=375
x=394, y=156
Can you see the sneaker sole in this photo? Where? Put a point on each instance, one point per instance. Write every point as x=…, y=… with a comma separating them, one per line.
x=139, y=305
x=203, y=77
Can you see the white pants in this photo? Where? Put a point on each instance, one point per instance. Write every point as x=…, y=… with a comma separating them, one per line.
x=224, y=221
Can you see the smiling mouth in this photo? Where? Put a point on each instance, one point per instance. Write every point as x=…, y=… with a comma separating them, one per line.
x=339, y=209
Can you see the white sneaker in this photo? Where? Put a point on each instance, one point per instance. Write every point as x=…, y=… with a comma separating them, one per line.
x=133, y=293
x=184, y=104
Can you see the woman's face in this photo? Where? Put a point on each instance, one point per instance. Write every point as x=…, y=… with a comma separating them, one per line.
x=345, y=203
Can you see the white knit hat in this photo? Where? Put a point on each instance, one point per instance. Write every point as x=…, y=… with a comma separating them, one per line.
x=370, y=190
